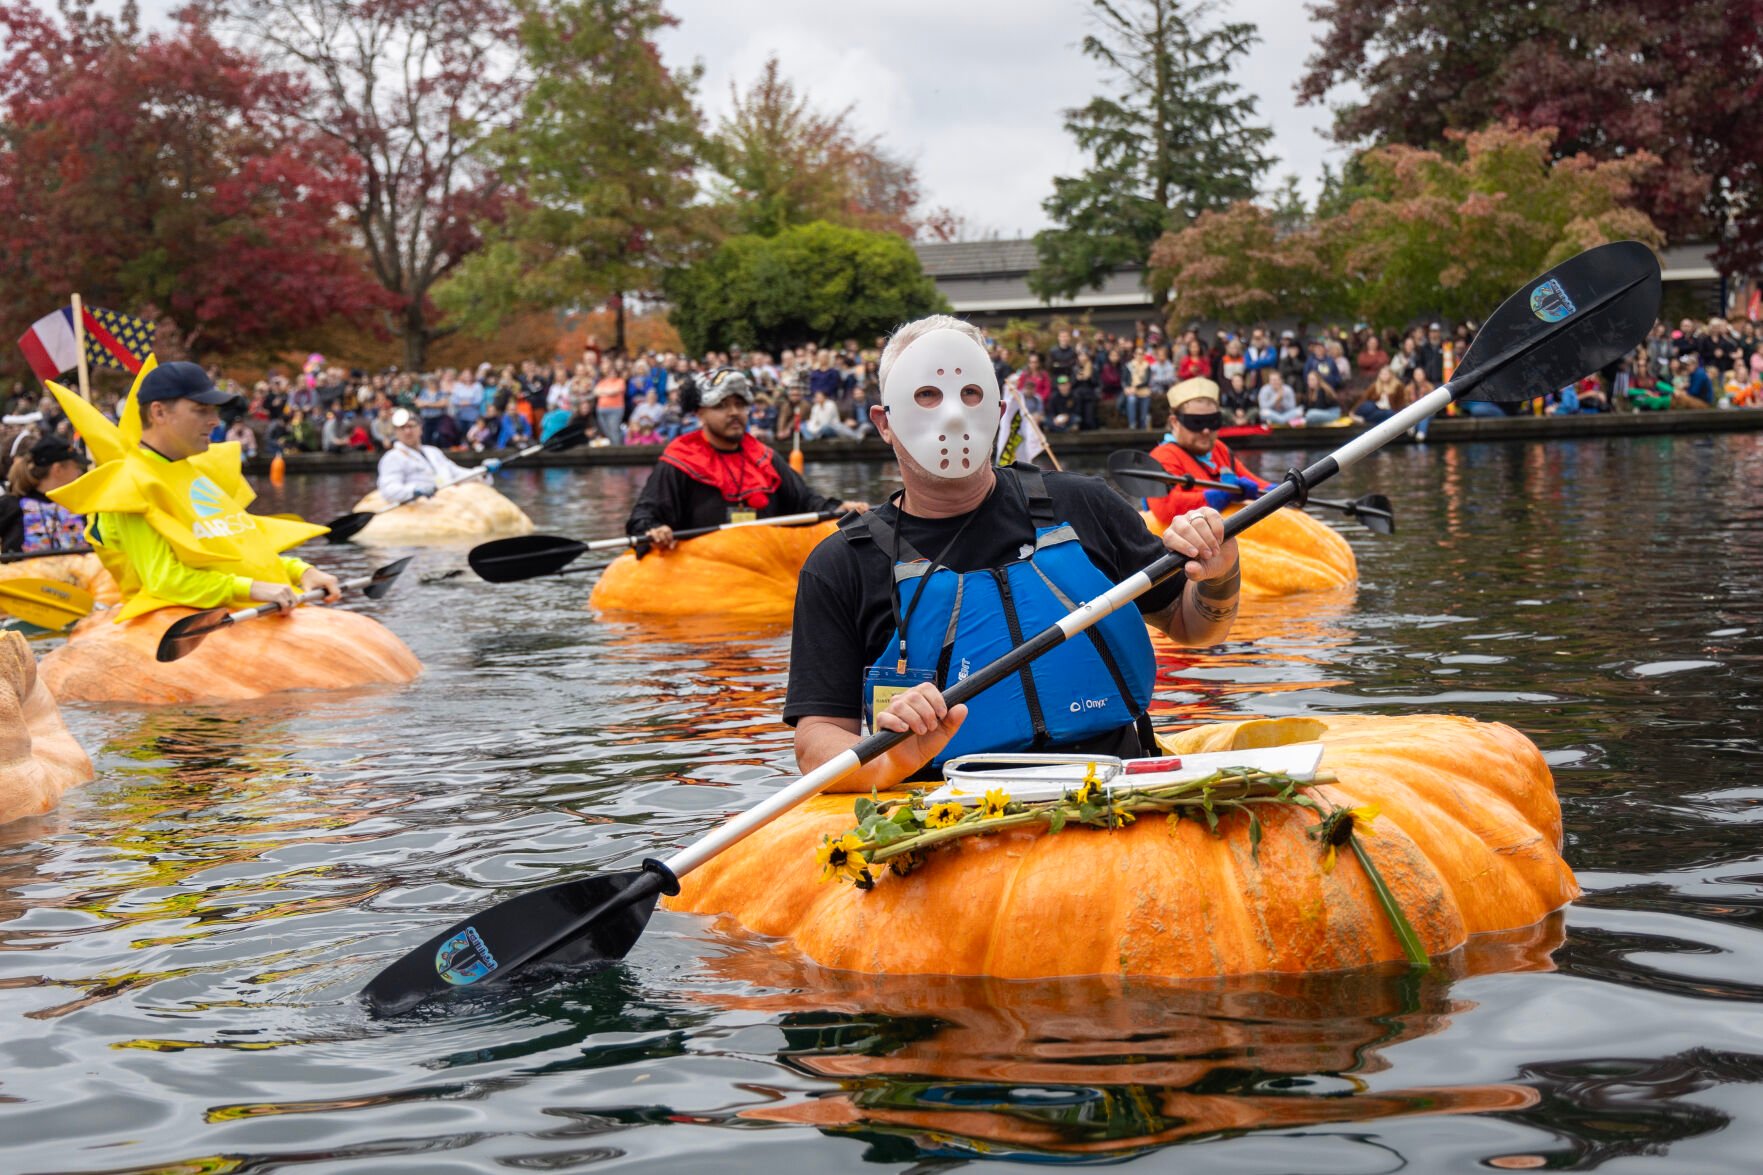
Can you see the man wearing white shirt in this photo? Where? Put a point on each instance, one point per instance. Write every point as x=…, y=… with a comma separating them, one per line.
x=411, y=469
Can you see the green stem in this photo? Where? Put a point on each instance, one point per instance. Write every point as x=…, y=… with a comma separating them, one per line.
x=1411, y=944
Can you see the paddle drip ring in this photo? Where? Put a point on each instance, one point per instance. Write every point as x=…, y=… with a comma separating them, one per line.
x=1301, y=484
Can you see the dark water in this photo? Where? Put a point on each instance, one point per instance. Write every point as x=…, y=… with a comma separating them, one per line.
x=181, y=941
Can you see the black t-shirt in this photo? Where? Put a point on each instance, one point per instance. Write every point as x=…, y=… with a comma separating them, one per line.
x=843, y=615
x=673, y=497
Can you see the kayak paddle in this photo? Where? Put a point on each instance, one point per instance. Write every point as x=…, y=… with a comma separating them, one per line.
x=528, y=556
x=45, y=603
x=181, y=639
x=1139, y=475
x=21, y=556
x=1578, y=317
x=349, y=525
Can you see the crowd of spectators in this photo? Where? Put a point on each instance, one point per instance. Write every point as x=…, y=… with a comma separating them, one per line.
x=1076, y=379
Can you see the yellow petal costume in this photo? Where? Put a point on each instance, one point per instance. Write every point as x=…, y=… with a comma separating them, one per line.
x=197, y=506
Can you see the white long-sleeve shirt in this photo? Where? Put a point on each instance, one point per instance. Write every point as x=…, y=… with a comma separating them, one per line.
x=404, y=471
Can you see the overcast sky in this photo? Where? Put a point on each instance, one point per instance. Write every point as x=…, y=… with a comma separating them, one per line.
x=973, y=91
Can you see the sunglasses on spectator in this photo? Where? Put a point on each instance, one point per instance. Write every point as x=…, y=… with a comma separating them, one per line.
x=1200, y=421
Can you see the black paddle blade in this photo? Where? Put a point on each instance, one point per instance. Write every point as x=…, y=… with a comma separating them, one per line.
x=1374, y=512
x=1592, y=309
x=181, y=639
x=524, y=557
x=1138, y=474
x=567, y=437
x=385, y=577
x=348, y=526
x=495, y=944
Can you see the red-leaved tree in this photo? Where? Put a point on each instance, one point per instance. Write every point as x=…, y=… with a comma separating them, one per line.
x=409, y=89
x=166, y=174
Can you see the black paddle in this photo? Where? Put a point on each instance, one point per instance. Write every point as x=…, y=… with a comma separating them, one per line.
x=1139, y=475
x=529, y=556
x=181, y=639
x=21, y=556
x=1574, y=319
x=349, y=525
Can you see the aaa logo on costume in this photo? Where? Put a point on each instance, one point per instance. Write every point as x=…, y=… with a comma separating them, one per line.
x=205, y=498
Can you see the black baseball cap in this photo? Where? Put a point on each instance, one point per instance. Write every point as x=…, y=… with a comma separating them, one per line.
x=180, y=381
x=52, y=451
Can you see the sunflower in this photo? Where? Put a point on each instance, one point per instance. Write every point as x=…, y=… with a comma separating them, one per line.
x=943, y=815
x=1346, y=823
x=1088, y=789
x=994, y=804
x=841, y=858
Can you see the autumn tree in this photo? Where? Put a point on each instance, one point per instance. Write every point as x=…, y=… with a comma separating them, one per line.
x=1173, y=137
x=605, y=147
x=778, y=162
x=409, y=90
x=1683, y=81
x=1425, y=234
x=810, y=282
x=166, y=175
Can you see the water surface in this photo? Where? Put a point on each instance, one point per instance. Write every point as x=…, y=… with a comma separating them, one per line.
x=181, y=941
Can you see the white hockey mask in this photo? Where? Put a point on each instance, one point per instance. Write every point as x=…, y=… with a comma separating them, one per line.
x=948, y=436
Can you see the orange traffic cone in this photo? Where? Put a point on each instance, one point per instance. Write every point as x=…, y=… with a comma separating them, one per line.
x=278, y=470
x=796, y=459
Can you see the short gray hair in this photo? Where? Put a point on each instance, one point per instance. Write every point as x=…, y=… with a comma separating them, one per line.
x=917, y=329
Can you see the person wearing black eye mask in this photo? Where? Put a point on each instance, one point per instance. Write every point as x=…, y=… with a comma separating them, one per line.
x=1192, y=448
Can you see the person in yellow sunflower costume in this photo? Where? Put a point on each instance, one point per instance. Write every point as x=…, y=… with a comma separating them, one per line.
x=165, y=508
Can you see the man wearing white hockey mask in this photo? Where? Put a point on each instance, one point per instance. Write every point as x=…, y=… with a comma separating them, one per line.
x=968, y=561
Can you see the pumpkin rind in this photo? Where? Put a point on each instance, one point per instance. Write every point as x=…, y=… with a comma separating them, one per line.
x=311, y=648
x=1289, y=552
x=468, y=510
x=747, y=573
x=1469, y=841
x=39, y=759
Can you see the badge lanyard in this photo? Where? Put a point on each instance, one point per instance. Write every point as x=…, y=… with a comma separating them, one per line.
x=900, y=622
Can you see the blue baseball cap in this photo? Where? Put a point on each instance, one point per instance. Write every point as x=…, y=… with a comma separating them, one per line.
x=180, y=381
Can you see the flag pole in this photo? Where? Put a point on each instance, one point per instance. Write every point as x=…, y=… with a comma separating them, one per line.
x=1046, y=446
x=79, y=346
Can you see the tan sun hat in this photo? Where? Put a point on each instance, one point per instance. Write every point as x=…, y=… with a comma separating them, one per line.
x=1192, y=389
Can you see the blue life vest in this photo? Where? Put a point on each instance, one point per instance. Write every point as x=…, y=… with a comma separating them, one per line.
x=1093, y=684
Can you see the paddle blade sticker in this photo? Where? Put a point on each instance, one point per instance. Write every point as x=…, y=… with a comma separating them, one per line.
x=1550, y=302
x=464, y=959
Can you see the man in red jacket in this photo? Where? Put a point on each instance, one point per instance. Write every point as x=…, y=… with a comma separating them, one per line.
x=1192, y=448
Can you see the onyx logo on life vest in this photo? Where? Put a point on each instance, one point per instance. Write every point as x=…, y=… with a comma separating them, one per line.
x=1082, y=704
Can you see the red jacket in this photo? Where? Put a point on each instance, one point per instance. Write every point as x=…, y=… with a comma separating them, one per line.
x=1194, y=367
x=1179, y=461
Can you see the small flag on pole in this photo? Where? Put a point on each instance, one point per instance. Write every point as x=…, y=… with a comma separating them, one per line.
x=1019, y=435
x=49, y=345
x=112, y=340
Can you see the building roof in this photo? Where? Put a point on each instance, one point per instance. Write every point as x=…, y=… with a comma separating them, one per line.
x=991, y=277
x=978, y=258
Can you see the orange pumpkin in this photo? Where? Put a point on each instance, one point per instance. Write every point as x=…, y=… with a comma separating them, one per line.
x=1100, y=1064
x=81, y=571
x=463, y=512
x=1289, y=552
x=748, y=573
x=39, y=759
x=1469, y=841
x=312, y=648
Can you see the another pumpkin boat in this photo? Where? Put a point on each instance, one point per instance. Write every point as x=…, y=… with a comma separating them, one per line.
x=311, y=648
x=463, y=511
x=1289, y=552
x=82, y=571
x=748, y=573
x=39, y=759
x=1467, y=838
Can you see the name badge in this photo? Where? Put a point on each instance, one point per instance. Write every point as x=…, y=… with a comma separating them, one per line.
x=743, y=516
x=882, y=686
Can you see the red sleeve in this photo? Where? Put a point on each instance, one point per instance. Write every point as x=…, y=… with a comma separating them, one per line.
x=1178, y=500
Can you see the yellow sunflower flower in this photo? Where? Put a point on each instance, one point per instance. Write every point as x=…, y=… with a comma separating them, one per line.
x=994, y=804
x=943, y=815
x=839, y=858
x=1356, y=820
x=1091, y=785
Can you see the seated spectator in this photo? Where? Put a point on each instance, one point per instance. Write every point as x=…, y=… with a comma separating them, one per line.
x=1061, y=406
x=1278, y=403
x=482, y=433
x=1380, y=400
x=1238, y=403
x=641, y=432
x=1195, y=364
x=1319, y=403
x=516, y=431
x=241, y=434
x=761, y=417
x=1697, y=383
x=335, y=436
x=823, y=421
